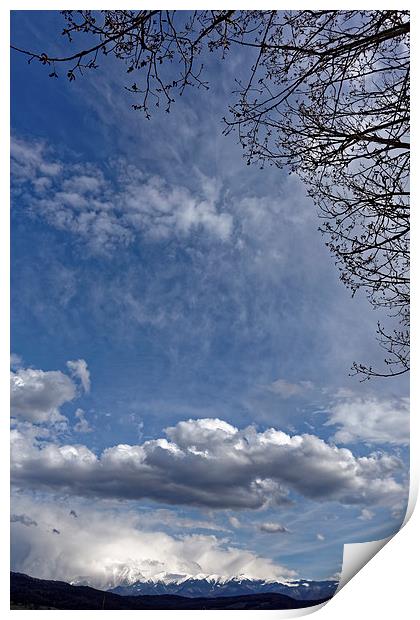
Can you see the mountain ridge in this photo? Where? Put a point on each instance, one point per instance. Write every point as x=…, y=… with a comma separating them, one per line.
x=218, y=585
x=32, y=593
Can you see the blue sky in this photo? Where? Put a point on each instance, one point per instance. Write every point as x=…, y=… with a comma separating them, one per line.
x=192, y=287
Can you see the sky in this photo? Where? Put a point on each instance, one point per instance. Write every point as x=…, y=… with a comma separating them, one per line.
x=181, y=346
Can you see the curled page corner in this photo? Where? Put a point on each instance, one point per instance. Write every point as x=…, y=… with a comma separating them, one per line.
x=357, y=555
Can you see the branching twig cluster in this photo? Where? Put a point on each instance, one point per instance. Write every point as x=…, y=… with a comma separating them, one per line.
x=327, y=95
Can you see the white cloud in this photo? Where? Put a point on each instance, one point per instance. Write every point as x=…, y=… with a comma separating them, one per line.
x=366, y=514
x=29, y=160
x=162, y=210
x=286, y=389
x=234, y=521
x=108, y=547
x=210, y=463
x=82, y=426
x=36, y=396
x=398, y=511
x=79, y=369
x=273, y=528
x=15, y=361
x=108, y=214
x=372, y=420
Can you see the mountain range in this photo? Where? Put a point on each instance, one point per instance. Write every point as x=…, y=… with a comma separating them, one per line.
x=30, y=593
x=212, y=586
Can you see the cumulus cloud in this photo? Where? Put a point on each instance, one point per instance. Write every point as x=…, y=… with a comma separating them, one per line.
x=107, y=214
x=372, y=420
x=210, y=463
x=36, y=396
x=108, y=547
x=79, y=369
x=273, y=528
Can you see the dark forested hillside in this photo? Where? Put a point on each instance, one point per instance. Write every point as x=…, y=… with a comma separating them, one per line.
x=30, y=593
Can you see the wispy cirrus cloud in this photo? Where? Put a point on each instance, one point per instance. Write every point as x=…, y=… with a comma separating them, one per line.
x=286, y=389
x=79, y=370
x=109, y=211
x=82, y=425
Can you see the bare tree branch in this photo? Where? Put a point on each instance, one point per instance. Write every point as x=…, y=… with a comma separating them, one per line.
x=327, y=96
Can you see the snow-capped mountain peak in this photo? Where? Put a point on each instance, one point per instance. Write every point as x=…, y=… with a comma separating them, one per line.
x=211, y=585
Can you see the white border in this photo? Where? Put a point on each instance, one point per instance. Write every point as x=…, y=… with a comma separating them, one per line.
x=387, y=586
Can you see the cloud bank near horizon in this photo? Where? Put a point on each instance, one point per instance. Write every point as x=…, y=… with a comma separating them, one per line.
x=109, y=547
